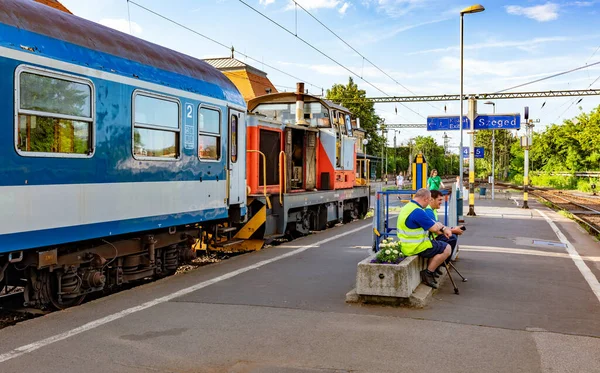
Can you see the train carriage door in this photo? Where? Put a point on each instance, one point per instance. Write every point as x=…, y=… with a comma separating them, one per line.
x=237, y=157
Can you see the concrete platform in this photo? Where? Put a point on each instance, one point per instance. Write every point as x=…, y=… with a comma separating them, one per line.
x=529, y=306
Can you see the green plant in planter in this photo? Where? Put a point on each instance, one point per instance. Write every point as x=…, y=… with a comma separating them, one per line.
x=389, y=252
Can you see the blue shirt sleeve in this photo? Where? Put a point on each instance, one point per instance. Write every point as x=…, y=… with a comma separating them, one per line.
x=419, y=219
x=430, y=214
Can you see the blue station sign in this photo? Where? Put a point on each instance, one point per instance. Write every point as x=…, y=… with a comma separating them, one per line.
x=446, y=123
x=498, y=121
x=479, y=152
x=482, y=122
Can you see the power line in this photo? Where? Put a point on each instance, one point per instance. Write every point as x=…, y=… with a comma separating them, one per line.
x=357, y=52
x=219, y=43
x=478, y=96
x=550, y=77
x=574, y=102
x=322, y=53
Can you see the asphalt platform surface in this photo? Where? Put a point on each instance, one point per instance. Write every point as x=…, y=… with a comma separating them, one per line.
x=529, y=306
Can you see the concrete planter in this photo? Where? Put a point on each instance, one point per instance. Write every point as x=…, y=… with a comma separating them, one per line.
x=389, y=280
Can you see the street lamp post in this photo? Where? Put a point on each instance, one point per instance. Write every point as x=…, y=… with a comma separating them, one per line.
x=446, y=141
x=366, y=171
x=493, y=149
x=472, y=9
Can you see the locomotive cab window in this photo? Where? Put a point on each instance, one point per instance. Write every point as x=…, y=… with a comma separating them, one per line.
x=54, y=114
x=156, y=126
x=209, y=134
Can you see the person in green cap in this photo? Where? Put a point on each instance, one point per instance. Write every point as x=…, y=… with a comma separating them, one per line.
x=434, y=182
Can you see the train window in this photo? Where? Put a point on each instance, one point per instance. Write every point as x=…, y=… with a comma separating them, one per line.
x=55, y=114
x=209, y=134
x=156, y=126
x=234, y=137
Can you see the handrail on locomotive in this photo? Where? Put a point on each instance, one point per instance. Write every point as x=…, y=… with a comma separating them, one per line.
x=264, y=174
x=282, y=177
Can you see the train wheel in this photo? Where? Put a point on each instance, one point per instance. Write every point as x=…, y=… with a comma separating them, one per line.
x=70, y=284
x=171, y=259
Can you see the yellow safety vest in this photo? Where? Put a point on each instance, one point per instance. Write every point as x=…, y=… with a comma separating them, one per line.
x=434, y=212
x=413, y=241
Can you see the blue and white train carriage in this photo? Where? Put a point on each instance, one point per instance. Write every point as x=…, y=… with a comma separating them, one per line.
x=115, y=155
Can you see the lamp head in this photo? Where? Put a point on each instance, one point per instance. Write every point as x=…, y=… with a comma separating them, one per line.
x=489, y=103
x=472, y=9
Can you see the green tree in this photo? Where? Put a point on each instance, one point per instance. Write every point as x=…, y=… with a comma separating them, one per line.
x=365, y=110
x=504, y=140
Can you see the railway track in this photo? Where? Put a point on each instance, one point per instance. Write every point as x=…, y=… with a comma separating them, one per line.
x=12, y=299
x=585, y=210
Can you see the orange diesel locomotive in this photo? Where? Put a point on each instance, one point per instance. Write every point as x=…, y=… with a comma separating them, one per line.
x=300, y=166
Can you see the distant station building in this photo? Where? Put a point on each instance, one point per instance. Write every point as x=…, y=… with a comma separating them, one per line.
x=54, y=4
x=251, y=81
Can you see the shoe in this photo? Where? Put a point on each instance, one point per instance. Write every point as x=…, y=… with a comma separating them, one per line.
x=428, y=279
x=438, y=271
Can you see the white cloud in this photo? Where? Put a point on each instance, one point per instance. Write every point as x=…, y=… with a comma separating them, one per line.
x=121, y=24
x=581, y=3
x=344, y=8
x=314, y=4
x=540, y=13
x=266, y=2
x=396, y=8
x=374, y=35
x=497, y=44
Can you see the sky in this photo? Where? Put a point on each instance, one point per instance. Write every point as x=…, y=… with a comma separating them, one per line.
x=416, y=42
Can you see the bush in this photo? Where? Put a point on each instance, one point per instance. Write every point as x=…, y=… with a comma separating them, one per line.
x=554, y=181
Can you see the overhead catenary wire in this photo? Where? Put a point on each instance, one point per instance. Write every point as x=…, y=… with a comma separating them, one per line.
x=323, y=53
x=586, y=61
x=549, y=77
x=221, y=44
x=355, y=51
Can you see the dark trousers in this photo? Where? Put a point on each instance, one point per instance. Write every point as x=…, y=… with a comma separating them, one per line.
x=452, y=241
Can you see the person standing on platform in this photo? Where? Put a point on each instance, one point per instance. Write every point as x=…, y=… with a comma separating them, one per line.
x=435, y=181
x=400, y=181
x=413, y=227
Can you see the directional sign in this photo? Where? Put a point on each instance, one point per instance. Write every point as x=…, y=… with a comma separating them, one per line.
x=498, y=121
x=452, y=123
x=479, y=152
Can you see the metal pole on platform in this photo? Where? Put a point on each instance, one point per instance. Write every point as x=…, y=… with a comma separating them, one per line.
x=395, y=156
x=469, y=10
x=472, y=115
x=493, y=150
x=526, y=143
x=460, y=150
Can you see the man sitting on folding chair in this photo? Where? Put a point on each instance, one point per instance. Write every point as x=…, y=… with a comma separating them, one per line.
x=434, y=204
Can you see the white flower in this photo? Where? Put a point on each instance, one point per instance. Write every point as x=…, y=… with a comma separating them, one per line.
x=396, y=252
x=387, y=252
